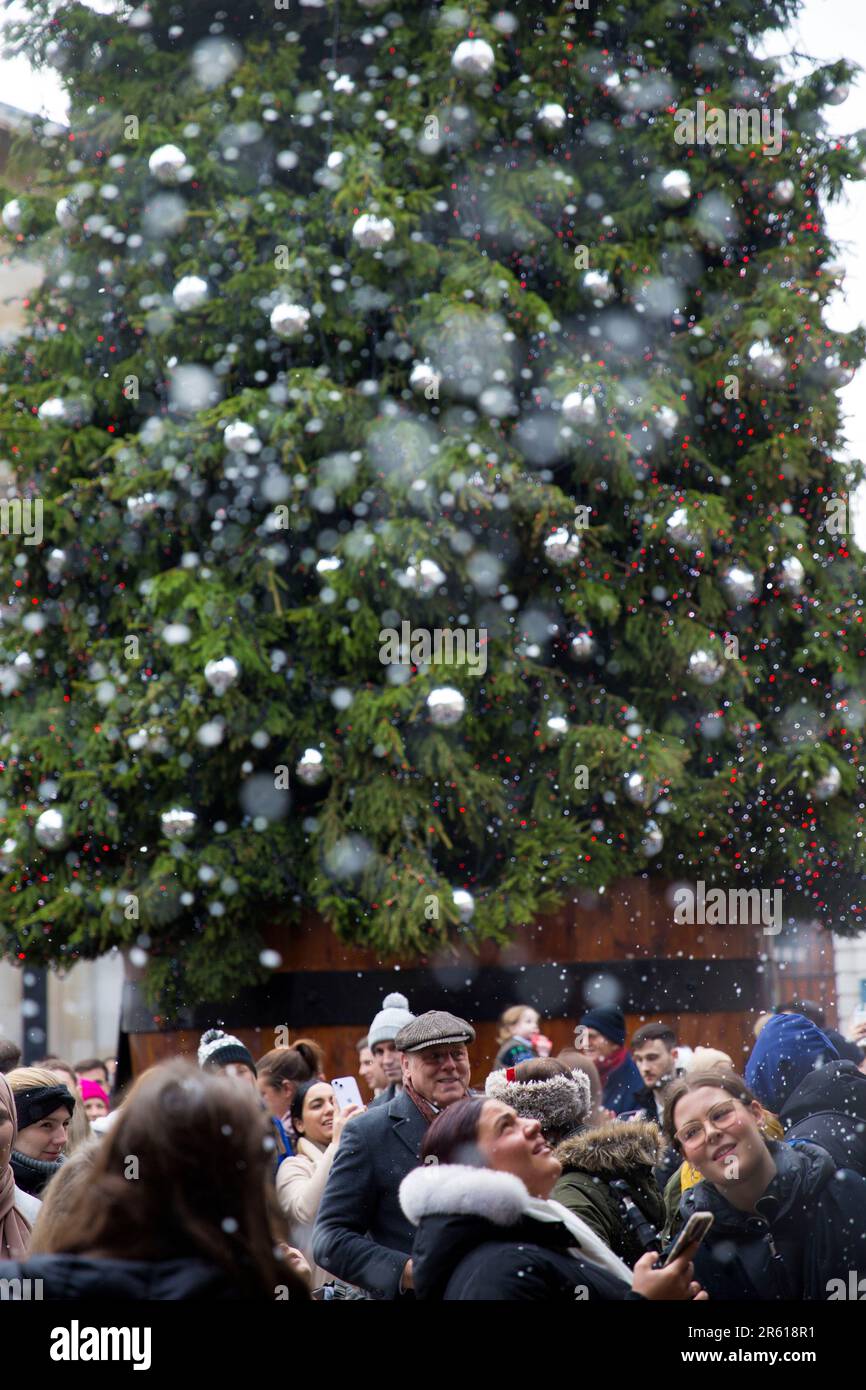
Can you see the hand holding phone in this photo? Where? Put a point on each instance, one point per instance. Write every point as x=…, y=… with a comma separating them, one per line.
x=692, y=1233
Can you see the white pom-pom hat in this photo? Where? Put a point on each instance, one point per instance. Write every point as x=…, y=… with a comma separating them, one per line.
x=393, y=1016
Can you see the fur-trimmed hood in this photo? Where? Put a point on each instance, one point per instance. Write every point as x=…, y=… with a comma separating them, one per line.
x=613, y=1148
x=457, y=1189
x=560, y=1103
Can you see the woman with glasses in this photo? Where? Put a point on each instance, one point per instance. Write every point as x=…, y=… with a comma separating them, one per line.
x=787, y=1223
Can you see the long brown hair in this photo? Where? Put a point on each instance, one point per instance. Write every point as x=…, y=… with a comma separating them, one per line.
x=182, y=1173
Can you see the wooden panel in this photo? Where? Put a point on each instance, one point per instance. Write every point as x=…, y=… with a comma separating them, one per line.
x=730, y=1032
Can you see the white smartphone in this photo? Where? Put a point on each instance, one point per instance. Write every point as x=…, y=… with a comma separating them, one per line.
x=346, y=1091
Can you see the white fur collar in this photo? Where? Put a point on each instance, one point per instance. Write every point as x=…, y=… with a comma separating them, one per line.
x=451, y=1189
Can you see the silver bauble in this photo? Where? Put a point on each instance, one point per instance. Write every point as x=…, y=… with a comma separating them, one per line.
x=681, y=529
x=68, y=213
x=784, y=191
x=556, y=726
x=582, y=647
x=473, y=58
x=289, y=320
x=166, y=163
x=422, y=377
x=56, y=563
x=445, y=706
x=189, y=292
x=635, y=787
x=50, y=829
x=839, y=92
x=739, y=584
x=222, y=674
x=791, y=574
x=676, y=188
x=579, y=408
x=8, y=855
x=310, y=767
x=55, y=411
x=599, y=285
x=765, y=361
x=838, y=372
x=371, y=232
x=827, y=785
x=705, y=667
x=237, y=435
x=652, y=840
x=424, y=576
x=562, y=547
x=178, y=823
x=143, y=505
x=23, y=664
x=13, y=215
x=465, y=904
x=552, y=117
x=667, y=420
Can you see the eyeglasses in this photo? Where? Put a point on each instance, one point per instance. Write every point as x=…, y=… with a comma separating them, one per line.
x=722, y=1116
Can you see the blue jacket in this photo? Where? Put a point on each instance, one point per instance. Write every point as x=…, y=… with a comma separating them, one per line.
x=788, y=1049
x=624, y=1087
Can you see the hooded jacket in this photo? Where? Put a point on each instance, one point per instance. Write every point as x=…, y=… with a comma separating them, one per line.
x=592, y=1160
x=481, y=1238
x=788, y=1048
x=796, y=1073
x=808, y=1228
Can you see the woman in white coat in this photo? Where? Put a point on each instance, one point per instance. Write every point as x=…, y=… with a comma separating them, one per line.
x=18, y=1209
x=301, y=1179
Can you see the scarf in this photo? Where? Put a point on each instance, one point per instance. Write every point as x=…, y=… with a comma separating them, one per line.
x=14, y=1230
x=587, y=1244
x=426, y=1107
x=32, y=1174
x=606, y=1065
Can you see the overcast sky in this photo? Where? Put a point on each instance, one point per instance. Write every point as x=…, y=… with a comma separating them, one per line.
x=826, y=30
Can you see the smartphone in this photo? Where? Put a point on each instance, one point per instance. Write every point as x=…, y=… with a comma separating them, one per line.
x=346, y=1092
x=695, y=1228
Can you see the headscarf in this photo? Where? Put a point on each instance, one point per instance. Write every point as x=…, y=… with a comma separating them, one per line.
x=14, y=1230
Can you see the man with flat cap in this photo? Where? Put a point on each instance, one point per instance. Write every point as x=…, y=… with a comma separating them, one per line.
x=361, y=1234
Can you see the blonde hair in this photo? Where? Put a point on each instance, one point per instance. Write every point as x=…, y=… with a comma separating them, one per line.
x=708, y=1059
x=508, y=1020
x=23, y=1078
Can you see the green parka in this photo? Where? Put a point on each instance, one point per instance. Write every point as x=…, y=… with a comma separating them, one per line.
x=592, y=1159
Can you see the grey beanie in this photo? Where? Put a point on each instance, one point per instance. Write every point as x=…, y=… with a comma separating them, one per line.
x=393, y=1016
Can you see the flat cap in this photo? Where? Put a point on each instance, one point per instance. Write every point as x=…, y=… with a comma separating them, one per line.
x=431, y=1030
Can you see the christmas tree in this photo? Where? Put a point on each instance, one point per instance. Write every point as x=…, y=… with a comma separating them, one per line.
x=424, y=460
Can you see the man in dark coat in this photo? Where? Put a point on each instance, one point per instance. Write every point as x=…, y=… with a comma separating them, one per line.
x=361, y=1234
x=795, y=1072
x=601, y=1035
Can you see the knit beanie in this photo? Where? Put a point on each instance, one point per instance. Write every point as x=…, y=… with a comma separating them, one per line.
x=393, y=1016
x=91, y=1090
x=559, y=1103
x=609, y=1022
x=217, y=1049
x=36, y=1102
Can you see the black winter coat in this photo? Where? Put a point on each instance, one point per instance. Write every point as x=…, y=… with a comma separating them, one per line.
x=480, y=1238
x=459, y=1258
x=809, y=1228
x=83, y=1277
x=829, y=1108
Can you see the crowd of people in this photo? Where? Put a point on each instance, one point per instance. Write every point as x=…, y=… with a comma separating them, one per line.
x=576, y=1177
